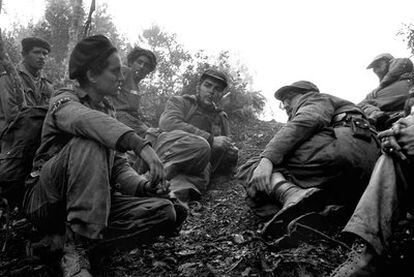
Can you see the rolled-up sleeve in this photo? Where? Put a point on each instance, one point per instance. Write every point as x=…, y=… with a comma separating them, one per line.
x=312, y=116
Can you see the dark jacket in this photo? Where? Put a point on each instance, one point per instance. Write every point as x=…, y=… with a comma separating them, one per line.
x=389, y=97
x=313, y=114
x=71, y=113
x=185, y=113
x=34, y=94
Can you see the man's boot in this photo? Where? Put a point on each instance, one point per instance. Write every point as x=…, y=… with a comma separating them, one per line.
x=75, y=261
x=295, y=201
x=362, y=261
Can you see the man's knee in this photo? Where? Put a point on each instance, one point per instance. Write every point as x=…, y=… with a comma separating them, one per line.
x=200, y=147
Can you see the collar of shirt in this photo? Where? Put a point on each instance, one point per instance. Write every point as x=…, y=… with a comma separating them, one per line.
x=104, y=105
x=22, y=68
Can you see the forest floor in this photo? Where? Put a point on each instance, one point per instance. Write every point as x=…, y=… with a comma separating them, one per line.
x=221, y=237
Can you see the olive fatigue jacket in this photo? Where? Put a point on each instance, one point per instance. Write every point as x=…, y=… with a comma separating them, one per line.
x=72, y=113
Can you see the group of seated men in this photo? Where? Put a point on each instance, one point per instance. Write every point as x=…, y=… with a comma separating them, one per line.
x=103, y=178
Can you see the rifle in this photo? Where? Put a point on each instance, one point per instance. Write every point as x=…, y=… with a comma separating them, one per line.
x=87, y=27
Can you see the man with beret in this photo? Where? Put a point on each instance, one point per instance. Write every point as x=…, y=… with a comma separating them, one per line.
x=37, y=89
x=195, y=141
x=323, y=155
x=141, y=62
x=385, y=104
x=81, y=185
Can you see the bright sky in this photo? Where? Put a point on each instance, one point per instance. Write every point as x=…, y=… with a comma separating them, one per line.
x=328, y=42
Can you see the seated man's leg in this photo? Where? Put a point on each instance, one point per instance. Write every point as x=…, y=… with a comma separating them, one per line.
x=187, y=187
x=374, y=218
x=182, y=152
x=224, y=162
x=73, y=187
x=137, y=220
x=186, y=159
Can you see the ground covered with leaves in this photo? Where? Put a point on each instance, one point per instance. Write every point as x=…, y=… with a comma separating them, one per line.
x=221, y=237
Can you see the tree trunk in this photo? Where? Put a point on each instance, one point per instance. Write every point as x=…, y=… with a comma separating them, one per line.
x=75, y=26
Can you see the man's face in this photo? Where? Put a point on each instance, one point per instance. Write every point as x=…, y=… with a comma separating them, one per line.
x=36, y=58
x=380, y=68
x=289, y=103
x=210, y=90
x=141, y=67
x=109, y=81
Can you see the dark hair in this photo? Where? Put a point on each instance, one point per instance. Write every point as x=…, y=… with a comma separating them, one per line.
x=97, y=67
x=138, y=52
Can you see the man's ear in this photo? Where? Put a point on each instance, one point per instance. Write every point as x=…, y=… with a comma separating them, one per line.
x=91, y=77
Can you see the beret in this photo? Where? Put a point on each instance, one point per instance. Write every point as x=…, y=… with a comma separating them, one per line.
x=88, y=52
x=29, y=42
x=299, y=86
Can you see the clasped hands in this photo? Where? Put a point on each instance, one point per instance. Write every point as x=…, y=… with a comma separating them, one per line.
x=399, y=139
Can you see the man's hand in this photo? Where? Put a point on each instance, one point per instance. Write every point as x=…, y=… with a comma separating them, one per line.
x=155, y=165
x=162, y=189
x=406, y=139
x=222, y=142
x=261, y=175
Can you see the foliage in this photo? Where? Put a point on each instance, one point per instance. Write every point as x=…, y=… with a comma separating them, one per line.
x=408, y=33
x=55, y=27
x=178, y=73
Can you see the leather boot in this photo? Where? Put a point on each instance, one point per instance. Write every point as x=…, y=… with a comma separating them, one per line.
x=362, y=261
x=75, y=261
x=295, y=201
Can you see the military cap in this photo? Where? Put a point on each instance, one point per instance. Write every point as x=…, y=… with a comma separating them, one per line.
x=384, y=56
x=299, y=86
x=87, y=52
x=216, y=74
x=138, y=52
x=29, y=42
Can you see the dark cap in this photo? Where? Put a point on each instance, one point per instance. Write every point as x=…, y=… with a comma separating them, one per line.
x=384, y=56
x=138, y=52
x=216, y=74
x=30, y=42
x=299, y=86
x=87, y=52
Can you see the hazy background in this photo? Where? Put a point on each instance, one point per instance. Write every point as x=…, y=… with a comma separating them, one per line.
x=327, y=42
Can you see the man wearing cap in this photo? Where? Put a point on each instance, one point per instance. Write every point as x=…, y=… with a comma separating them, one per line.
x=323, y=155
x=81, y=185
x=37, y=89
x=141, y=62
x=385, y=104
x=196, y=142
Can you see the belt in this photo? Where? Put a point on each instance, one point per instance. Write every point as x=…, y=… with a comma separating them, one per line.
x=345, y=116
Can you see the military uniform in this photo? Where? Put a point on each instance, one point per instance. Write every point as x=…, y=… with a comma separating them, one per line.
x=37, y=92
x=390, y=96
x=185, y=146
x=83, y=181
x=127, y=104
x=318, y=147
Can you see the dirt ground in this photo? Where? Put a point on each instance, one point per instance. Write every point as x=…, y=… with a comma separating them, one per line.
x=221, y=237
